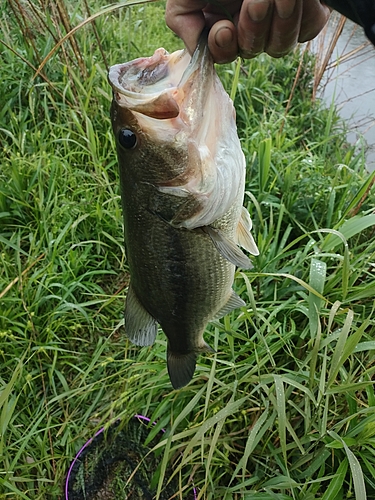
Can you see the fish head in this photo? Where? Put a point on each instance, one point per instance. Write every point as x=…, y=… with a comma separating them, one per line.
x=146, y=116
x=175, y=129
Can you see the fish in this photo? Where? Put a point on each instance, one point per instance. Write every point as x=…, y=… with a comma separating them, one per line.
x=182, y=179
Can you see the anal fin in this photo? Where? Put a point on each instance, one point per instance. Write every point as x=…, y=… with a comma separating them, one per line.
x=233, y=302
x=140, y=327
x=227, y=248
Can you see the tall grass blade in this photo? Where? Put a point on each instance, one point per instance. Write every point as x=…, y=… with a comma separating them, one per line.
x=318, y=271
x=236, y=78
x=188, y=408
x=338, y=354
x=222, y=415
x=102, y=12
x=281, y=413
x=361, y=195
x=264, y=159
x=355, y=467
x=335, y=486
x=264, y=422
x=348, y=229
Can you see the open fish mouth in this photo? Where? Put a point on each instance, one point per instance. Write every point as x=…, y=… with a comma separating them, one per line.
x=160, y=86
x=149, y=76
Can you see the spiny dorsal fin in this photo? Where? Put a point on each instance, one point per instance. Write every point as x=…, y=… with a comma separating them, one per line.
x=140, y=327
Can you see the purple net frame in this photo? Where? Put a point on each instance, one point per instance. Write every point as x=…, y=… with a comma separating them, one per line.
x=140, y=417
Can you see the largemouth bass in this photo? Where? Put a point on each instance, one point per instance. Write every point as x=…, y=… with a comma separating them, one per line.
x=182, y=174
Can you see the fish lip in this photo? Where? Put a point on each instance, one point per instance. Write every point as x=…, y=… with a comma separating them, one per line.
x=117, y=71
x=200, y=59
x=160, y=58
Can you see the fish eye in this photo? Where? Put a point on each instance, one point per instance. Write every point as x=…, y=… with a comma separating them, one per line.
x=127, y=138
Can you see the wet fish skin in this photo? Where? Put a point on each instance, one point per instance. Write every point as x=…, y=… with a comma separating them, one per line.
x=181, y=270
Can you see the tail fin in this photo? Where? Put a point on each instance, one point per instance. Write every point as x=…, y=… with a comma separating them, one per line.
x=181, y=368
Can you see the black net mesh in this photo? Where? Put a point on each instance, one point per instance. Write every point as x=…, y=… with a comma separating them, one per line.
x=116, y=465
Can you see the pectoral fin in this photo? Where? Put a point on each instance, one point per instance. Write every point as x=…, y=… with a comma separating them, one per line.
x=178, y=215
x=227, y=248
x=140, y=327
x=233, y=302
x=244, y=236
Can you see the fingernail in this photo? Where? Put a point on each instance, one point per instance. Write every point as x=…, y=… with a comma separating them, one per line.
x=285, y=8
x=257, y=9
x=224, y=37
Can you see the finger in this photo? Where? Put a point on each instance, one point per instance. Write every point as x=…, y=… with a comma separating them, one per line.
x=285, y=30
x=222, y=41
x=285, y=8
x=253, y=27
x=186, y=22
x=314, y=18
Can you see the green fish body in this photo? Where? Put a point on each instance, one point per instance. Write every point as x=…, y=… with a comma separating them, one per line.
x=182, y=174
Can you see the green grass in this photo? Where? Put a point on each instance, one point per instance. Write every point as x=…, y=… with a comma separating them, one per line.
x=285, y=409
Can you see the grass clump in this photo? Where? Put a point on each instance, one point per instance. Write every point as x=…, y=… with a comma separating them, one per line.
x=285, y=408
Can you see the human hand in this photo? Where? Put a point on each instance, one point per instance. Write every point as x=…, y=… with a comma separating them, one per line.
x=272, y=26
